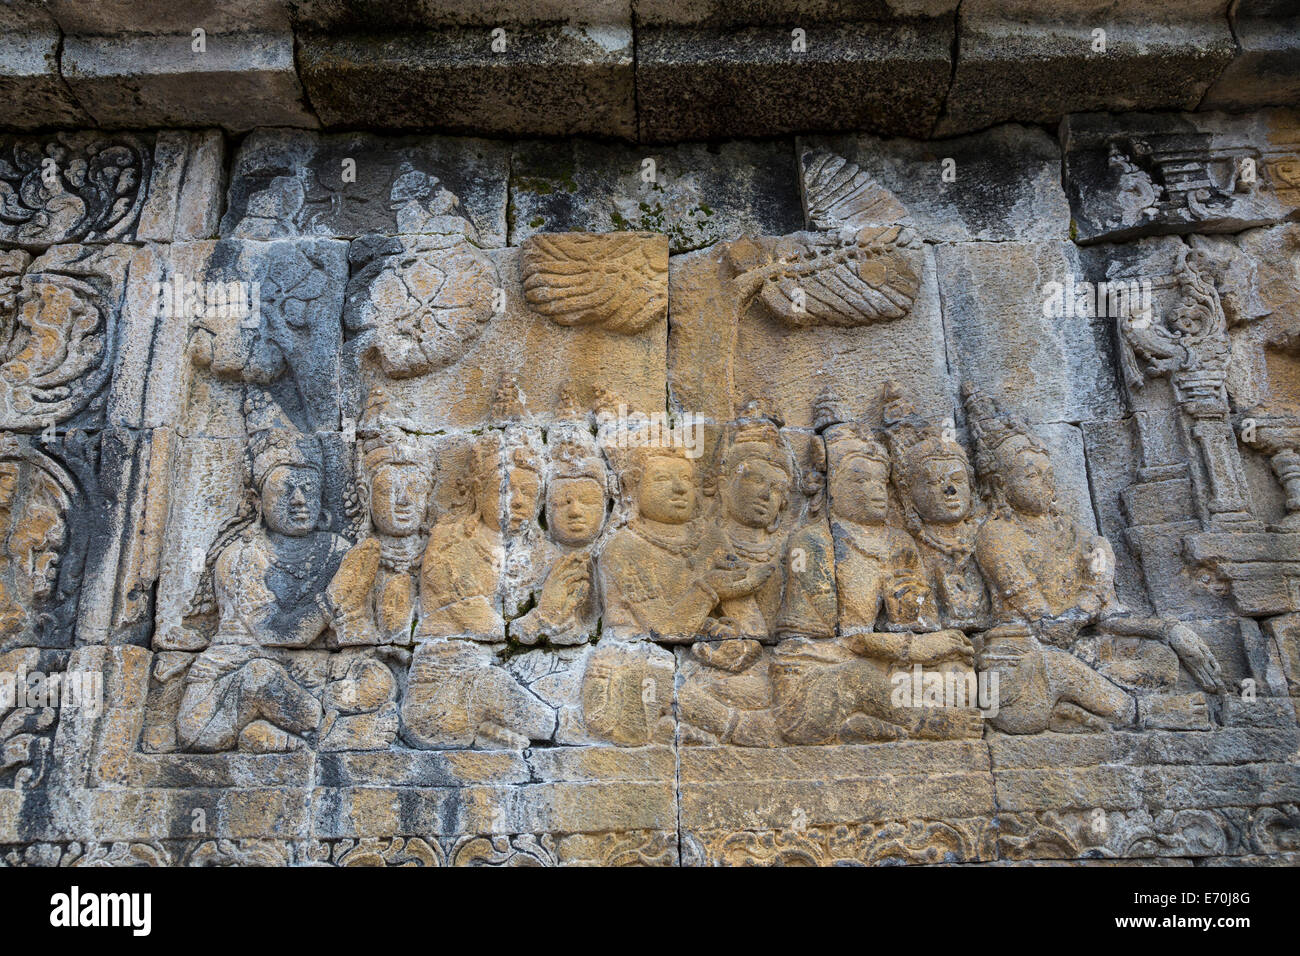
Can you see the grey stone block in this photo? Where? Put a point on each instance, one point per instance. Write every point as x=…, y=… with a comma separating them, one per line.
x=699, y=194
x=791, y=12
x=112, y=18
x=1007, y=70
x=237, y=82
x=1007, y=182
x=185, y=190
x=289, y=183
x=30, y=85
x=575, y=80
x=709, y=83
x=1049, y=368
x=1162, y=174
x=361, y=15
x=1266, y=70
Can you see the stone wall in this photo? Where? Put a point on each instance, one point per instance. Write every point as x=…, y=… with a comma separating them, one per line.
x=652, y=71
x=409, y=498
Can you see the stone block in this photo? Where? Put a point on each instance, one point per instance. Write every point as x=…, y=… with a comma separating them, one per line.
x=707, y=83
x=237, y=81
x=1006, y=182
x=1264, y=72
x=30, y=83
x=727, y=347
x=1163, y=174
x=1006, y=334
x=1008, y=70
x=290, y=183
x=574, y=81
x=697, y=194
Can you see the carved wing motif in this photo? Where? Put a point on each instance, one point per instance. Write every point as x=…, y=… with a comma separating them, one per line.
x=822, y=280
x=838, y=193
x=615, y=280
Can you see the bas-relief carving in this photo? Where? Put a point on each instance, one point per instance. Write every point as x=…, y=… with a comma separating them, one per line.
x=364, y=585
x=73, y=187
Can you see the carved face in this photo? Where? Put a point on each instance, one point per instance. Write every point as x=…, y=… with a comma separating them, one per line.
x=940, y=489
x=666, y=491
x=525, y=490
x=755, y=493
x=859, y=489
x=8, y=483
x=291, y=500
x=575, y=510
x=1029, y=483
x=399, y=495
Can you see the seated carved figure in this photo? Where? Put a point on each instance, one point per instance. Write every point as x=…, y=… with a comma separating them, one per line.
x=239, y=692
x=373, y=595
x=725, y=691
x=575, y=513
x=1048, y=580
x=32, y=532
x=461, y=571
x=833, y=685
x=653, y=582
x=933, y=478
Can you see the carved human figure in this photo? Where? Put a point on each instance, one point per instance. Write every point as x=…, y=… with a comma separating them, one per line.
x=934, y=481
x=726, y=691
x=422, y=204
x=834, y=686
x=1049, y=579
x=575, y=513
x=373, y=596
x=461, y=572
x=653, y=582
x=239, y=691
x=12, y=615
x=33, y=527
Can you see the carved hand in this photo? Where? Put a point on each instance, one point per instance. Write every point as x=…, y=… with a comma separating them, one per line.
x=942, y=646
x=353, y=581
x=1197, y=658
x=730, y=578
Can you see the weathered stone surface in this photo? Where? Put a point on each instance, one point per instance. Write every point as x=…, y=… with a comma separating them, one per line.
x=1264, y=71
x=386, y=534
x=435, y=14
x=715, y=13
x=997, y=185
x=1168, y=174
x=33, y=91
x=575, y=81
x=1011, y=331
x=237, y=81
x=1005, y=71
x=288, y=183
x=696, y=194
x=707, y=83
x=116, y=17
x=186, y=187
x=725, y=352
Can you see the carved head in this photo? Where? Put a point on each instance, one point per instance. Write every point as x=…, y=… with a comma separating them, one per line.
x=8, y=483
x=754, y=476
x=575, y=497
x=858, y=475
x=393, y=480
x=523, y=489
x=1012, y=460
x=482, y=484
x=286, y=469
x=398, y=488
x=931, y=471
x=662, y=481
